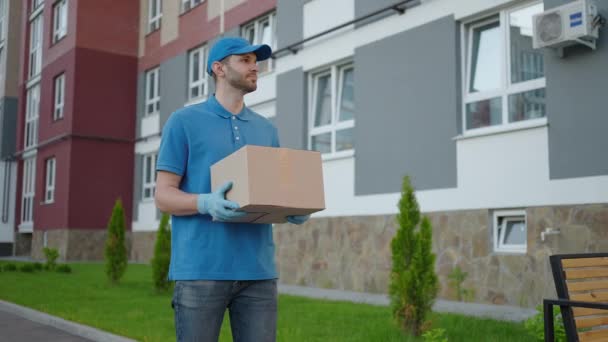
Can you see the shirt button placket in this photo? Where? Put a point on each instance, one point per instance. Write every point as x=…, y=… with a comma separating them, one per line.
x=237, y=138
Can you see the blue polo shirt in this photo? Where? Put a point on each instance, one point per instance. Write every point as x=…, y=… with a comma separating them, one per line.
x=193, y=139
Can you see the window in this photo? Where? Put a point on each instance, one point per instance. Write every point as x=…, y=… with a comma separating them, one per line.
x=155, y=14
x=6, y=190
x=60, y=20
x=332, y=115
x=49, y=191
x=3, y=8
x=197, y=77
x=510, y=231
x=32, y=107
x=189, y=4
x=59, y=97
x=262, y=31
x=505, y=76
x=29, y=178
x=152, y=91
x=35, y=46
x=35, y=4
x=149, y=179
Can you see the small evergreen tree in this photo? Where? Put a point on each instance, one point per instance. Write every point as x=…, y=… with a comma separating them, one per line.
x=115, y=249
x=413, y=283
x=162, y=255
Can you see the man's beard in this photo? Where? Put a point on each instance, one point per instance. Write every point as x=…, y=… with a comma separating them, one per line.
x=240, y=82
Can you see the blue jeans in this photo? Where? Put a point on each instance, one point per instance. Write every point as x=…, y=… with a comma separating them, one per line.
x=200, y=305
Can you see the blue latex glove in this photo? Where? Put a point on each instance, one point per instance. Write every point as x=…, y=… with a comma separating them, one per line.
x=216, y=204
x=297, y=219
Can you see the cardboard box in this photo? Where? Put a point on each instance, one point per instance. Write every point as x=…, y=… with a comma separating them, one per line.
x=271, y=183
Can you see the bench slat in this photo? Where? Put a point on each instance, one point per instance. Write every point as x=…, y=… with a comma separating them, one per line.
x=588, y=285
x=593, y=335
x=590, y=297
x=587, y=273
x=591, y=321
x=585, y=262
x=587, y=311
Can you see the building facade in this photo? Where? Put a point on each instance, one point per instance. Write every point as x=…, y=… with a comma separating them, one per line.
x=75, y=125
x=504, y=143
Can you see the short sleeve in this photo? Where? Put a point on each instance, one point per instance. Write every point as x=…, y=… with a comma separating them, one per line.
x=275, y=137
x=173, y=151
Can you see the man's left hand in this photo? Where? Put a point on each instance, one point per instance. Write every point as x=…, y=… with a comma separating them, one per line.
x=297, y=219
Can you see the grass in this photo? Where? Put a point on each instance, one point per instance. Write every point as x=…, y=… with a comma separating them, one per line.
x=134, y=309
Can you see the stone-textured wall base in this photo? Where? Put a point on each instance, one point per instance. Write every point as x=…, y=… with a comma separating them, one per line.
x=23, y=244
x=353, y=253
x=143, y=246
x=74, y=244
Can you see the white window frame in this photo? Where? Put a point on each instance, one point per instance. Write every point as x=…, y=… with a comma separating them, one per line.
x=151, y=185
x=60, y=20
x=190, y=4
x=203, y=81
x=28, y=191
x=59, y=97
x=152, y=95
x=335, y=71
x=35, y=53
x=506, y=88
x=266, y=66
x=154, y=19
x=35, y=4
x=32, y=111
x=49, y=191
x=498, y=231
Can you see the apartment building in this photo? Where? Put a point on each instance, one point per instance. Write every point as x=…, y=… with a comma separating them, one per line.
x=504, y=143
x=75, y=123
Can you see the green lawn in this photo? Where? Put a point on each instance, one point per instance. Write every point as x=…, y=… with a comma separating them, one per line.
x=133, y=309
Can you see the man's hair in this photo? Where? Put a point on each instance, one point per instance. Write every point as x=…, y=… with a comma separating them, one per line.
x=224, y=61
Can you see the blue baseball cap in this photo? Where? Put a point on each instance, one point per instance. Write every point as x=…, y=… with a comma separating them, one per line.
x=235, y=46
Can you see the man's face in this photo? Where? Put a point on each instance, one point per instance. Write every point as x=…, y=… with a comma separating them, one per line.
x=242, y=72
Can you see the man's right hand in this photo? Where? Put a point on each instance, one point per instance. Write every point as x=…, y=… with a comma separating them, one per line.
x=216, y=204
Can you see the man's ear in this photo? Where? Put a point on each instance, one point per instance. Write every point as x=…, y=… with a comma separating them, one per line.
x=217, y=68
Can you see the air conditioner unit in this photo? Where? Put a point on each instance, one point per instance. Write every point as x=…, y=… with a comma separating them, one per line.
x=573, y=23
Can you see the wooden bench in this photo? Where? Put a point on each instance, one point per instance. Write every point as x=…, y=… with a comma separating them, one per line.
x=581, y=282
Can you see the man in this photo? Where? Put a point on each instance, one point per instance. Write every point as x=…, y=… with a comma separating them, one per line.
x=217, y=264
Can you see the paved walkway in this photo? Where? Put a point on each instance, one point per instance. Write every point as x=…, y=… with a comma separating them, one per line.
x=15, y=328
x=21, y=324
x=498, y=312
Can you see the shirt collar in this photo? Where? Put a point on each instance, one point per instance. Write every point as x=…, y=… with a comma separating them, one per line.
x=216, y=106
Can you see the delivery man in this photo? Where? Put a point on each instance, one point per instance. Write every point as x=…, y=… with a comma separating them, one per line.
x=218, y=265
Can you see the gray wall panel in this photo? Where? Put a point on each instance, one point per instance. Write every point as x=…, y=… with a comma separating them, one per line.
x=8, y=126
x=291, y=109
x=365, y=7
x=141, y=88
x=406, y=93
x=137, y=185
x=576, y=107
x=173, y=85
x=290, y=22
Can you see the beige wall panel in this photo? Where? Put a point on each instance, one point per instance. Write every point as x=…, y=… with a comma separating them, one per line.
x=143, y=26
x=214, y=7
x=169, y=30
x=10, y=66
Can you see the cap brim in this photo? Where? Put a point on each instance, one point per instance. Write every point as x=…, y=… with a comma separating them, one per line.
x=262, y=51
